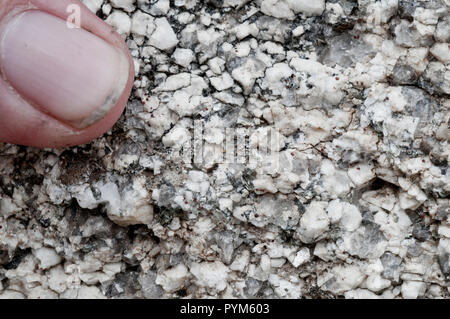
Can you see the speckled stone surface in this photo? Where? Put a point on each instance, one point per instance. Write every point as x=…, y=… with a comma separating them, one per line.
x=337, y=183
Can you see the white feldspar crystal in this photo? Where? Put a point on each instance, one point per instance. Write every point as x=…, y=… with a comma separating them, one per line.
x=286, y=288
x=241, y=261
x=347, y=215
x=361, y=174
x=175, y=82
x=413, y=289
x=161, y=7
x=11, y=294
x=245, y=29
x=377, y=283
x=360, y=294
x=275, y=74
x=298, y=31
x=89, y=292
x=223, y=82
x=301, y=257
x=210, y=274
x=163, y=38
x=142, y=24
x=341, y=279
x=178, y=136
x=174, y=278
x=127, y=5
x=93, y=5
x=442, y=32
x=384, y=199
x=198, y=182
x=442, y=52
x=322, y=250
x=128, y=207
x=47, y=257
x=248, y=72
x=289, y=8
x=58, y=280
x=314, y=222
x=216, y=65
x=106, y=9
x=8, y=207
x=310, y=8
x=121, y=22
x=183, y=57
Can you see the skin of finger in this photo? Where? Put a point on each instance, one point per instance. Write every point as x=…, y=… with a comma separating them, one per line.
x=39, y=129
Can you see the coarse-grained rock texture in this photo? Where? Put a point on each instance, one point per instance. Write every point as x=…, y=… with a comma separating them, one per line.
x=343, y=106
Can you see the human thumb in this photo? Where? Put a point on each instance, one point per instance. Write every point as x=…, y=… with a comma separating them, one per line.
x=65, y=74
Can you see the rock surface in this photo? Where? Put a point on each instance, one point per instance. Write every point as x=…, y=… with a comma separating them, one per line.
x=270, y=149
